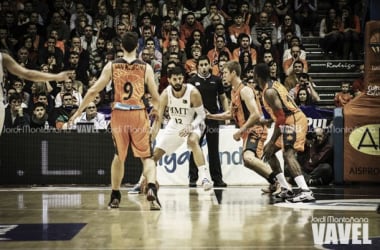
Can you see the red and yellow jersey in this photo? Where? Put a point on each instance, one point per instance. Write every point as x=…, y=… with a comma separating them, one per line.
x=288, y=105
x=128, y=81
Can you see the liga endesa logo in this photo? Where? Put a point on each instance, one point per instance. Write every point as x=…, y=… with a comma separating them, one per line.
x=340, y=230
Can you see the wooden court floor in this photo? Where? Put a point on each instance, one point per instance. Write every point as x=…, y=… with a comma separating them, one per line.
x=238, y=217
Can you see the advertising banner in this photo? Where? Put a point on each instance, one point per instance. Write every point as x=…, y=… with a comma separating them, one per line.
x=362, y=117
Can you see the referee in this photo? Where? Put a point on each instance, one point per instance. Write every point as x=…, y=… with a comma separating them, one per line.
x=213, y=95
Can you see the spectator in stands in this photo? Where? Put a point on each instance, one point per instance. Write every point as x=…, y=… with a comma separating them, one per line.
x=351, y=33
x=146, y=21
x=23, y=58
x=88, y=39
x=283, y=8
x=238, y=27
x=63, y=113
x=126, y=8
x=303, y=97
x=173, y=35
x=103, y=31
x=306, y=15
x=91, y=115
x=101, y=105
x=218, y=68
x=245, y=62
x=150, y=9
x=156, y=53
x=317, y=159
x=175, y=5
x=248, y=17
x=262, y=30
x=344, y=96
x=292, y=79
x=174, y=53
x=78, y=31
x=190, y=24
x=196, y=39
x=358, y=84
x=172, y=14
x=305, y=83
x=330, y=33
x=147, y=34
x=213, y=17
x=6, y=42
x=78, y=60
x=288, y=64
x=27, y=43
x=103, y=14
x=68, y=88
x=220, y=46
x=197, y=7
x=191, y=63
x=218, y=30
x=244, y=46
x=60, y=26
x=288, y=25
x=274, y=71
x=272, y=15
x=163, y=33
x=294, y=41
x=79, y=12
x=268, y=47
x=19, y=85
x=15, y=115
x=39, y=116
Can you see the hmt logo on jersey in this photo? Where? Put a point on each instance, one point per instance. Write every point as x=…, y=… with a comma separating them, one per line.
x=340, y=230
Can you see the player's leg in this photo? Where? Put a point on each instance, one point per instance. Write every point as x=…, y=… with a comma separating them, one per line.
x=199, y=159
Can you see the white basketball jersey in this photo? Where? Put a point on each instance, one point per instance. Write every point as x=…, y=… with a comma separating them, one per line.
x=180, y=110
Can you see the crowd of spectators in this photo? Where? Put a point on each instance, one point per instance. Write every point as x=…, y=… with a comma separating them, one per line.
x=83, y=36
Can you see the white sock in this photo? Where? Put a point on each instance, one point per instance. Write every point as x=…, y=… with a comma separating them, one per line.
x=300, y=180
x=203, y=170
x=281, y=179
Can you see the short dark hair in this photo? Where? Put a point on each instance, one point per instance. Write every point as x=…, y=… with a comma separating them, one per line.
x=15, y=96
x=177, y=70
x=39, y=104
x=129, y=41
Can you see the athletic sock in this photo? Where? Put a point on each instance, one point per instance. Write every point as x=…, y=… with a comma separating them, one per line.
x=281, y=179
x=300, y=180
x=203, y=171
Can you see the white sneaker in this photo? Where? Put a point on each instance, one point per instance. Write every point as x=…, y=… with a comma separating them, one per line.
x=206, y=184
x=303, y=196
x=136, y=189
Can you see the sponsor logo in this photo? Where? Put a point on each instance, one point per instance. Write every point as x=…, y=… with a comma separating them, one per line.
x=366, y=139
x=340, y=230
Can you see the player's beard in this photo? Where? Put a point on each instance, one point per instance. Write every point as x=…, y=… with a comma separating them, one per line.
x=177, y=87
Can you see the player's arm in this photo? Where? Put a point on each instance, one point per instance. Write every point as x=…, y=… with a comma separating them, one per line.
x=98, y=86
x=248, y=97
x=33, y=75
x=197, y=104
x=163, y=102
x=274, y=102
x=152, y=88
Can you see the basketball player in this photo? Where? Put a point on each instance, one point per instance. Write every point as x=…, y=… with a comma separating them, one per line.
x=289, y=133
x=129, y=119
x=8, y=63
x=245, y=110
x=183, y=101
